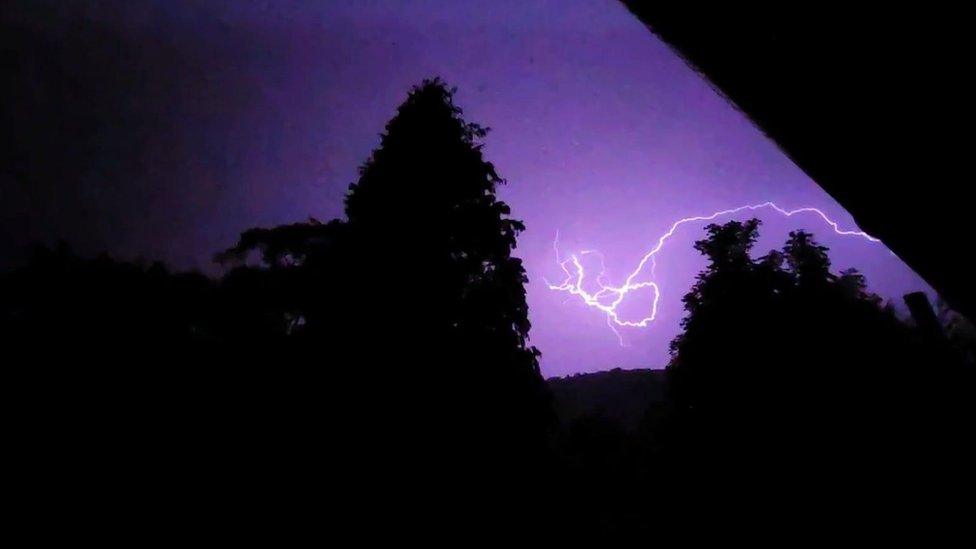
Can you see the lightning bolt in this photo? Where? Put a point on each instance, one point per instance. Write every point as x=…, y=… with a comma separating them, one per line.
x=608, y=297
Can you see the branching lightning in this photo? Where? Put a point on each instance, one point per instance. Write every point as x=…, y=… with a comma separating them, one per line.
x=608, y=297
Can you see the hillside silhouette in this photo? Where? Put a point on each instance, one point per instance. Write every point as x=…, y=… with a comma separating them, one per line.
x=622, y=396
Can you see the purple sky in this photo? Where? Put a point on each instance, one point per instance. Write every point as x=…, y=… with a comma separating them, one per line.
x=259, y=113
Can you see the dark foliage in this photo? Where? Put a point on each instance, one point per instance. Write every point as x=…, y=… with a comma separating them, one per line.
x=419, y=285
x=378, y=366
x=59, y=297
x=384, y=354
x=806, y=385
x=790, y=387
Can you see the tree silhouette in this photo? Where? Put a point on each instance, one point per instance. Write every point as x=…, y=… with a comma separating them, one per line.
x=388, y=349
x=103, y=305
x=435, y=241
x=783, y=365
x=416, y=306
x=807, y=260
x=424, y=261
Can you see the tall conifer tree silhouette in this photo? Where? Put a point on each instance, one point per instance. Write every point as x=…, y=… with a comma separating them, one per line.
x=433, y=250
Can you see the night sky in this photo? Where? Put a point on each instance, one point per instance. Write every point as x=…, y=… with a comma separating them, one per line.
x=163, y=129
